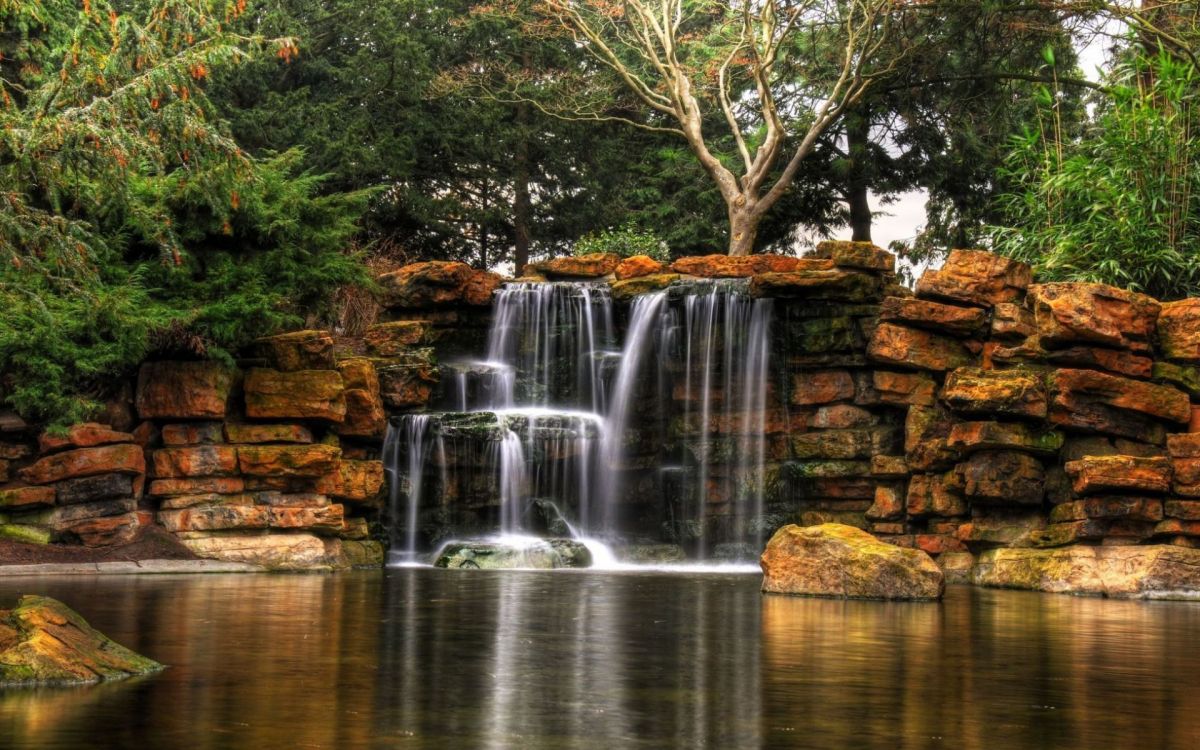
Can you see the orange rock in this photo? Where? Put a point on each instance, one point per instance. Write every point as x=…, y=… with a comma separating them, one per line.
x=1099, y=402
x=742, y=266
x=1093, y=475
x=1188, y=510
x=1132, y=508
x=327, y=518
x=888, y=504
x=1002, y=477
x=591, y=266
x=977, y=278
x=108, y=530
x=841, y=416
x=364, y=405
x=904, y=388
x=822, y=387
x=192, y=433
x=389, y=339
x=26, y=497
x=1187, y=476
x=217, y=485
x=938, y=316
x=409, y=381
x=1185, y=445
x=934, y=495
x=638, y=265
x=279, y=461
x=1094, y=357
x=1194, y=422
x=298, y=350
x=267, y=433
x=1012, y=322
x=1178, y=526
x=124, y=458
x=215, y=517
x=85, y=435
x=936, y=544
x=437, y=283
x=195, y=461
x=862, y=255
x=303, y=394
x=833, y=284
x=183, y=390
x=1179, y=330
x=354, y=481
x=1017, y=393
x=1072, y=313
x=968, y=437
x=897, y=345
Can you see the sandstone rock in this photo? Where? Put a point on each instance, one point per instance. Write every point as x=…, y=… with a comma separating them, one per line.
x=888, y=504
x=1098, y=402
x=298, y=350
x=42, y=641
x=1133, y=508
x=1120, y=474
x=627, y=289
x=107, y=531
x=84, y=435
x=969, y=437
x=934, y=495
x=1184, y=377
x=1016, y=393
x=323, y=518
x=287, y=460
x=192, y=433
x=977, y=278
x=817, y=284
x=592, y=266
x=897, y=345
x=14, y=451
x=844, y=444
x=364, y=405
x=179, y=502
x=864, y=255
x=1064, y=533
x=904, y=388
x=63, y=518
x=183, y=390
x=88, y=489
x=822, y=387
x=1185, y=510
x=222, y=516
x=1012, y=322
x=126, y=458
x=303, y=394
x=841, y=417
x=926, y=435
x=347, y=553
x=273, y=551
x=26, y=497
x=267, y=433
x=1116, y=361
x=1179, y=330
x=842, y=561
x=889, y=466
x=195, y=461
x=956, y=566
x=1000, y=527
x=1077, y=313
x=354, y=481
x=1139, y=572
x=733, y=266
x=638, y=265
x=219, y=485
x=937, y=316
x=1002, y=477
x=390, y=339
x=438, y=283
x=409, y=382
x=540, y=554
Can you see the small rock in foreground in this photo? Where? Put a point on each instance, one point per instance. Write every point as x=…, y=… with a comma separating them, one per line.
x=540, y=554
x=43, y=641
x=836, y=560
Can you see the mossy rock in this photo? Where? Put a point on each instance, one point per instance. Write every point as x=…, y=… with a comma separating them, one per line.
x=541, y=554
x=43, y=641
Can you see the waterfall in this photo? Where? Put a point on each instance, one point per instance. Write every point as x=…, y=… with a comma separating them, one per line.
x=408, y=441
x=512, y=482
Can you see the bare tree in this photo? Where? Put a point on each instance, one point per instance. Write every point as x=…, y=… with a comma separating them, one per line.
x=779, y=73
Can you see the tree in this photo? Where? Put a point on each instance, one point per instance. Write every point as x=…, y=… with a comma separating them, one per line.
x=778, y=74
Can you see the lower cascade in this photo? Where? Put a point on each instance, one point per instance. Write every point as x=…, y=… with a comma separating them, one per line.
x=622, y=428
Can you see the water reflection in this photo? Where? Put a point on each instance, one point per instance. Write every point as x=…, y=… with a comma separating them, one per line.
x=417, y=658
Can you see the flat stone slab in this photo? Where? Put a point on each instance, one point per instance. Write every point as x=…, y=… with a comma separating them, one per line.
x=143, y=567
x=1128, y=572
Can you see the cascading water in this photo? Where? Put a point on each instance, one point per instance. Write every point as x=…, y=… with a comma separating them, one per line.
x=569, y=433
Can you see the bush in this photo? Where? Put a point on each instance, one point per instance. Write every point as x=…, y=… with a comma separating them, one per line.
x=1121, y=203
x=626, y=241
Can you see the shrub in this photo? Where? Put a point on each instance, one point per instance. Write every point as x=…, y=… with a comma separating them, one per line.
x=626, y=241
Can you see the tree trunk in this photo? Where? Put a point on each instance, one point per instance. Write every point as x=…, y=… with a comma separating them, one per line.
x=858, y=134
x=522, y=205
x=743, y=230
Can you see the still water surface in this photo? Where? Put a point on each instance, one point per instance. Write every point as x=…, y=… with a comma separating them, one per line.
x=422, y=658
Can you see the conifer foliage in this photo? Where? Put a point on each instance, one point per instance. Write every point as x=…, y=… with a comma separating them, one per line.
x=129, y=219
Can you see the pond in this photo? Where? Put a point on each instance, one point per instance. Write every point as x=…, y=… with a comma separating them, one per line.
x=425, y=658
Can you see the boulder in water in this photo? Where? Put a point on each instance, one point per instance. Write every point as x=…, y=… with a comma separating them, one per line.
x=539, y=554
x=1157, y=571
x=44, y=641
x=836, y=560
